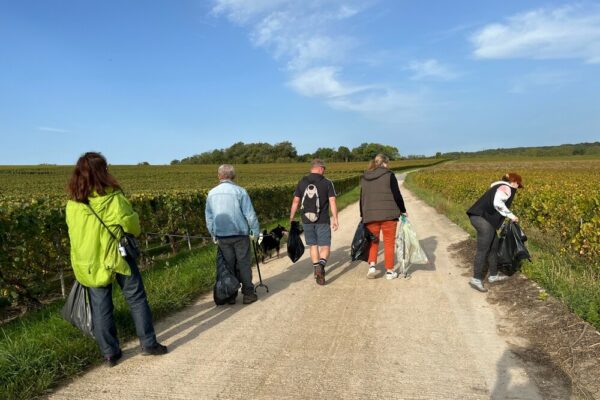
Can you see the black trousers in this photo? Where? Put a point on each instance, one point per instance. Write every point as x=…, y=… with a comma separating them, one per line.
x=238, y=256
x=487, y=247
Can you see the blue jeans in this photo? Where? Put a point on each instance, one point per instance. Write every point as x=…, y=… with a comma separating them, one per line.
x=102, y=312
x=236, y=250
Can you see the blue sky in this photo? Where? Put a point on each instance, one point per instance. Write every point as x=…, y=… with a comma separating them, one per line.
x=162, y=80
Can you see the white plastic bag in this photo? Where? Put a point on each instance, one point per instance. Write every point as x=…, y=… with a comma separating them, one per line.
x=408, y=249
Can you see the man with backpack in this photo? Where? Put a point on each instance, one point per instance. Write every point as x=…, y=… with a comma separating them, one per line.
x=315, y=195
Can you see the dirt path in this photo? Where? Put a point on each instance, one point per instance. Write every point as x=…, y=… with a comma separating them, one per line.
x=427, y=337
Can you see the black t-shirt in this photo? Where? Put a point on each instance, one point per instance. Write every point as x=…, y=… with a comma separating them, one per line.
x=325, y=190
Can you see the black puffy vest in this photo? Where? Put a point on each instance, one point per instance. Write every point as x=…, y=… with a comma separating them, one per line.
x=484, y=207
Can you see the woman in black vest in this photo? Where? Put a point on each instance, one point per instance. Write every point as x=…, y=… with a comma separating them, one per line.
x=487, y=215
x=381, y=205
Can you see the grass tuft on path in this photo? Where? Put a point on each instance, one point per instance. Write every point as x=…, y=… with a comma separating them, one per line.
x=40, y=350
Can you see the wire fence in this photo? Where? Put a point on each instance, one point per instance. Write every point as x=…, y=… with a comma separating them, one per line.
x=149, y=252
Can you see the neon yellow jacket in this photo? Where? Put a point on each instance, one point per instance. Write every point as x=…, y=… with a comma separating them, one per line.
x=95, y=256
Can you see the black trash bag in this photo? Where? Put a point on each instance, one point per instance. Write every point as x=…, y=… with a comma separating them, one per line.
x=295, y=246
x=361, y=243
x=511, y=248
x=227, y=284
x=78, y=311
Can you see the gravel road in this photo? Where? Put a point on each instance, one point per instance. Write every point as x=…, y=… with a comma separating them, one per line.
x=427, y=337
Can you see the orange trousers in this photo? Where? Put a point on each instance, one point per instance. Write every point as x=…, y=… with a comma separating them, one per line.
x=389, y=241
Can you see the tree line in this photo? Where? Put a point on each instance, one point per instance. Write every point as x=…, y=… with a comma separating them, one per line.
x=285, y=152
x=579, y=149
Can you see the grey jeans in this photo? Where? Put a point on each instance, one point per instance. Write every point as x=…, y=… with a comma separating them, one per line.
x=238, y=256
x=102, y=312
x=487, y=247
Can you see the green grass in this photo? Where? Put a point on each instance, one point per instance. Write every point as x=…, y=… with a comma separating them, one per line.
x=574, y=282
x=40, y=349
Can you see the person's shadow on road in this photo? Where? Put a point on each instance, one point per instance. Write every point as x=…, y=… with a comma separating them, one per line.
x=203, y=316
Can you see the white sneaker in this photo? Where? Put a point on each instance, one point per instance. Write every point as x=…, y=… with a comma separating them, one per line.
x=391, y=274
x=372, y=272
x=477, y=285
x=497, y=278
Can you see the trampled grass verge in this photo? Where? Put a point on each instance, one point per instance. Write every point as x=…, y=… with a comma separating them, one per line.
x=574, y=281
x=40, y=350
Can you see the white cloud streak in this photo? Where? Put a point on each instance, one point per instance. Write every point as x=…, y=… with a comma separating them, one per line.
x=538, y=79
x=305, y=37
x=566, y=32
x=53, y=130
x=242, y=11
x=323, y=82
x=431, y=69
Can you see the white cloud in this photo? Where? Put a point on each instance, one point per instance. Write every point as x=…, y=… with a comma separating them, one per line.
x=566, y=32
x=307, y=38
x=374, y=101
x=54, y=130
x=383, y=102
x=323, y=82
x=241, y=11
x=431, y=69
x=539, y=79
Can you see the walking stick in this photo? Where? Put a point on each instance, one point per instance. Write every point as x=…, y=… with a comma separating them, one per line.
x=258, y=269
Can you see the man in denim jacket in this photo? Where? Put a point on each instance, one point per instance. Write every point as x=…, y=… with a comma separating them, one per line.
x=232, y=222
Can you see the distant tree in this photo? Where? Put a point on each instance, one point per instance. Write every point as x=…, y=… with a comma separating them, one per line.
x=438, y=154
x=175, y=162
x=144, y=163
x=367, y=151
x=579, y=151
x=284, y=152
x=305, y=157
x=325, y=153
x=344, y=153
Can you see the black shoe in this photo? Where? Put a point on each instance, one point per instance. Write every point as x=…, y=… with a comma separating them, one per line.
x=231, y=300
x=250, y=298
x=157, y=350
x=111, y=361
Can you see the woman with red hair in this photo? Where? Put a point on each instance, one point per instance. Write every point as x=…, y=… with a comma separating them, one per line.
x=487, y=215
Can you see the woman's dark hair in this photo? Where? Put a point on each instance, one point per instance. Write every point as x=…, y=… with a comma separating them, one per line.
x=90, y=174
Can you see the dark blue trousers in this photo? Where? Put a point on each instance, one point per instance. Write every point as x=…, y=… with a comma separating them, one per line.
x=102, y=312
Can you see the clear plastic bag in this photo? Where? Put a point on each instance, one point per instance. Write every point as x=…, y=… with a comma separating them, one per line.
x=408, y=248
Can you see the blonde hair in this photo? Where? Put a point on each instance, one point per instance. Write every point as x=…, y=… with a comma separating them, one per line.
x=378, y=161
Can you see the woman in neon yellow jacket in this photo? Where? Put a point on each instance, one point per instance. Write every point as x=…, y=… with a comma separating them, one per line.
x=96, y=205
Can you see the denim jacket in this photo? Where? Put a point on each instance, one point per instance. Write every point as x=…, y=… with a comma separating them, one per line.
x=229, y=211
